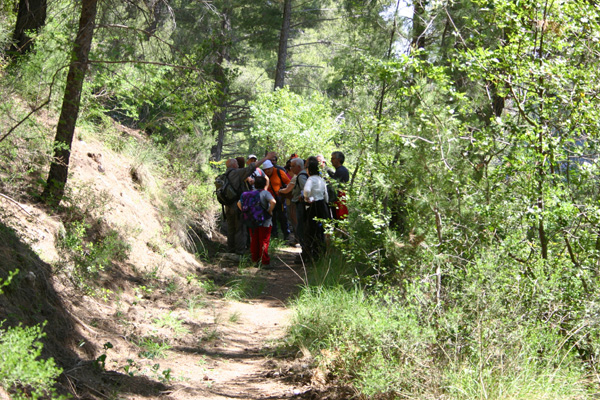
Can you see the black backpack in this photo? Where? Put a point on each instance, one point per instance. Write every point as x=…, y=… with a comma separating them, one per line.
x=226, y=193
x=331, y=192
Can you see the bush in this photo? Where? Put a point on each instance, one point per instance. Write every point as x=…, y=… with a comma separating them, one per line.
x=90, y=257
x=21, y=370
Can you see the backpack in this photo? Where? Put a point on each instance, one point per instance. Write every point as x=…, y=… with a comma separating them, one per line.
x=331, y=193
x=226, y=193
x=253, y=213
x=297, y=190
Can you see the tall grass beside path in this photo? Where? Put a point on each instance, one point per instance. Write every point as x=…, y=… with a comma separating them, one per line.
x=389, y=345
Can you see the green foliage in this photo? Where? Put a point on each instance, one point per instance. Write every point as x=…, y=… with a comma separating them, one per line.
x=171, y=321
x=288, y=123
x=153, y=347
x=245, y=287
x=91, y=257
x=21, y=369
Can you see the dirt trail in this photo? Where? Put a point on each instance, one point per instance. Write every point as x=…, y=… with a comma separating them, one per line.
x=238, y=365
x=217, y=348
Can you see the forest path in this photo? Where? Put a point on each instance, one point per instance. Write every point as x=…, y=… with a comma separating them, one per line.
x=237, y=360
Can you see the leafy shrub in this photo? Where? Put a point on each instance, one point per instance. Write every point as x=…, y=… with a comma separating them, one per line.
x=91, y=257
x=21, y=369
x=288, y=123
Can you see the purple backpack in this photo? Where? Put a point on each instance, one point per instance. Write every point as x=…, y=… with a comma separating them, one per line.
x=253, y=213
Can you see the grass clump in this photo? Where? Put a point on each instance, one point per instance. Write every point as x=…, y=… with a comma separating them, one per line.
x=152, y=347
x=244, y=287
x=171, y=321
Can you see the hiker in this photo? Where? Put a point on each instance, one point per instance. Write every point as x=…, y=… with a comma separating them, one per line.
x=288, y=168
x=241, y=161
x=260, y=235
x=316, y=198
x=278, y=179
x=236, y=231
x=258, y=172
x=296, y=187
x=321, y=161
x=341, y=175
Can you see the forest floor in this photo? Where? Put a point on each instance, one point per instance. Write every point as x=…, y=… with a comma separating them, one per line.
x=164, y=323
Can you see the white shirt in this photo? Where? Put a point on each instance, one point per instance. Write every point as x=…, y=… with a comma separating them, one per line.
x=315, y=189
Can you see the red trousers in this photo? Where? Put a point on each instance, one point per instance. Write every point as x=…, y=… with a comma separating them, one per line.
x=259, y=244
x=340, y=211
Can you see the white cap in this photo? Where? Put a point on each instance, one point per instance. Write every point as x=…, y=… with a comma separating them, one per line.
x=252, y=156
x=267, y=164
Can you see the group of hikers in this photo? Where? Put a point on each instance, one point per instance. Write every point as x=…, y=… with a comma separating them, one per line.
x=290, y=200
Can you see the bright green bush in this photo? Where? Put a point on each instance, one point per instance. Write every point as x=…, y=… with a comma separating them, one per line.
x=90, y=257
x=288, y=123
x=21, y=369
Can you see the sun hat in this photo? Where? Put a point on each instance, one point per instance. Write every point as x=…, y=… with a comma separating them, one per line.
x=267, y=164
x=252, y=156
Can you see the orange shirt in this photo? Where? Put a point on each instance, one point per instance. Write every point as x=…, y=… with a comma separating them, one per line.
x=275, y=182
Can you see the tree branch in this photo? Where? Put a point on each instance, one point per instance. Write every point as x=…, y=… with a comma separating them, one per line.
x=316, y=20
x=305, y=65
x=145, y=62
x=45, y=103
x=310, y=43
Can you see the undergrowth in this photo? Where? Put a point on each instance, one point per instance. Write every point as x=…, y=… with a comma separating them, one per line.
x=21, y=369
x=89, y=244
x=494, y=333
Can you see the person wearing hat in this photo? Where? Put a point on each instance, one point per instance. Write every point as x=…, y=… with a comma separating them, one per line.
x=258, y=172
x=278, y=179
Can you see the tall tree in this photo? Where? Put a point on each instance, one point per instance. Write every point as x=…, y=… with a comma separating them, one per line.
x=220, y=75
x=59, y=169
x=31, y=16
x=283, y=44
x=418, y=24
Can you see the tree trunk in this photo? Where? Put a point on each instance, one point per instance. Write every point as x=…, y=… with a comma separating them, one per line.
x=59, y=169
x=220, y=115
x=31, y=16
x=380, y=101
x=283, y=44
x=418, y=24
